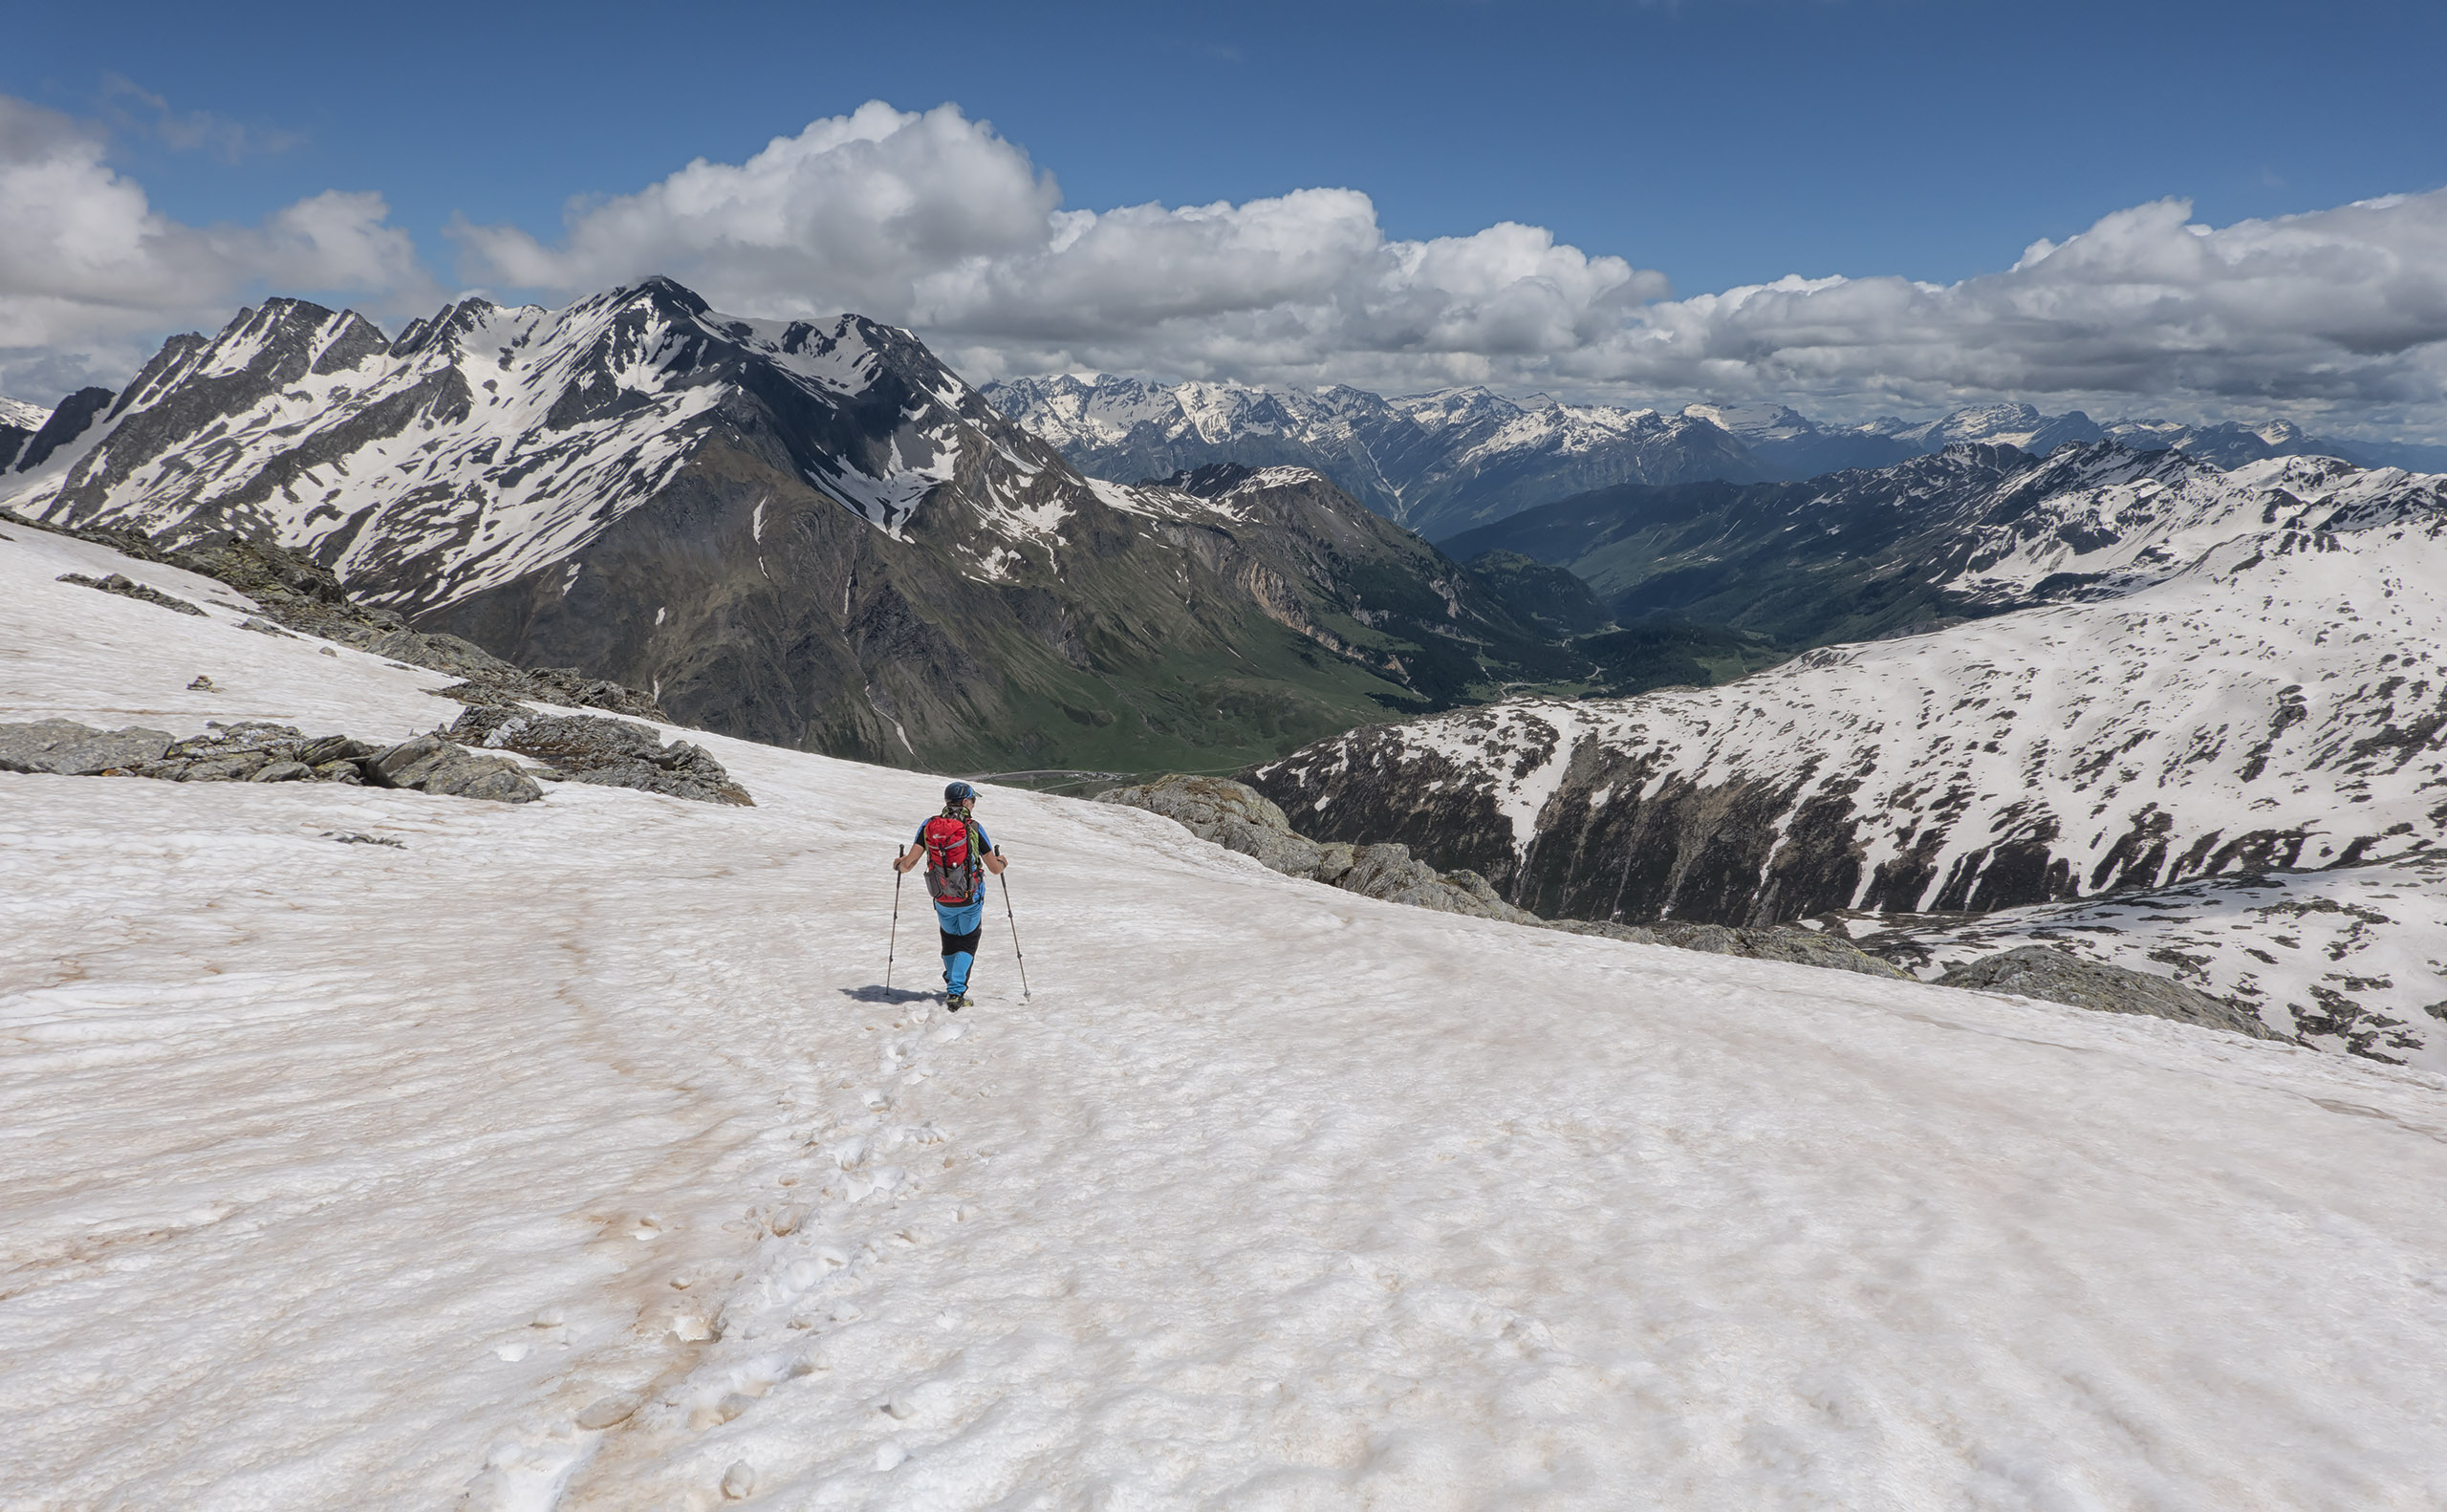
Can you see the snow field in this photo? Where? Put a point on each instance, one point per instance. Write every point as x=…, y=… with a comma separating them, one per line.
x=568, y=1154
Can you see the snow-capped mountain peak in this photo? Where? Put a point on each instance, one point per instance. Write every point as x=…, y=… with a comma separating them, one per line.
x=1755, y=422
x=1437, y=462
x=19, y=415
x=488, y=441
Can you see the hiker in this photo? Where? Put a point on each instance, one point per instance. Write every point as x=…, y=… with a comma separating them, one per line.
x=958, y=855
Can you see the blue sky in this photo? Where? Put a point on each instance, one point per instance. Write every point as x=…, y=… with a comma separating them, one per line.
x=1716, y=142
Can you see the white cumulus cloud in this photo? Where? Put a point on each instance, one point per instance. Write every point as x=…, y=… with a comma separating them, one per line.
x=2339, y=309
x=931, y=220
x=91, y=273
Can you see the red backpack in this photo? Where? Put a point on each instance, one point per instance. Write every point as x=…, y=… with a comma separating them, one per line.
x=952, y=864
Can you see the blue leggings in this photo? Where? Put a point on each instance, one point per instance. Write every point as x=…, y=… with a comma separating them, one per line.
x=960, y=925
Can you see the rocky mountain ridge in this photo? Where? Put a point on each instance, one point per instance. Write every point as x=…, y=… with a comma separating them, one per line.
x=1453, y=461
x=2247, y=674
x=1240, y=818
x=1971, y=531
x=809, y=533
x=1438, y=462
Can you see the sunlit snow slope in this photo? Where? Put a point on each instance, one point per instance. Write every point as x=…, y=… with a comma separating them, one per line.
x=567, y=1155
x=2263, y=687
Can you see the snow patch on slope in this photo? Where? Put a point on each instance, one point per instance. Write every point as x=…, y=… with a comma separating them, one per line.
x=2354, y=959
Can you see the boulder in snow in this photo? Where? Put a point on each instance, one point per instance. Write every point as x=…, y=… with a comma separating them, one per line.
x=2057, y=976
x=430, y=764
x=77, y=750
x=614, y=753
x=129, y=588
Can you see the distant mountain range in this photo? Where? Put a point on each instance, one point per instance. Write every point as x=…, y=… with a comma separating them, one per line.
x=1857, y=554
x=809, y=533
x=1438, y=462
x=1449, y=461
x=2174, y=672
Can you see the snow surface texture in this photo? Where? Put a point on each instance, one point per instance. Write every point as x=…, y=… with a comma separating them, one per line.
x=568, y=1156
x=23, y=415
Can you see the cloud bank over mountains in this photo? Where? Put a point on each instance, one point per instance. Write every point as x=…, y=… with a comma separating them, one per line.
x=91, y=276
x=933, y=221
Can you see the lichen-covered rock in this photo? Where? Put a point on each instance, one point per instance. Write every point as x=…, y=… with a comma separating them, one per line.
x=330, y=748
x=259, y=751
x=611, y=753
x=2056, y=976
x=430, y=764
x=226, y=753
x=1231, y=814
x=77, y=750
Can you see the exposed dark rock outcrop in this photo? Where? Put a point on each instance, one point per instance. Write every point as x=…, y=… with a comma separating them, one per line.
x=609, y=753
x=258, y=751
x=2056, y=976
x=1240, y=818
x=77, y=750
x=74, y=417
x=430, y=764
x=128, y=588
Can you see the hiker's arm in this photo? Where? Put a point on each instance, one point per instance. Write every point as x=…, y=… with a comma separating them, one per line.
x=995, y=863
x=907, y=861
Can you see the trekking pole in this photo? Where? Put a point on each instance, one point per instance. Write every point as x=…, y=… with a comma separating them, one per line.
x=1014, y=922
x=894, y=944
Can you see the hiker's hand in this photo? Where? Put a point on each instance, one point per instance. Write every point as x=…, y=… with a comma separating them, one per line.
x=994, y=861
x=903, y=860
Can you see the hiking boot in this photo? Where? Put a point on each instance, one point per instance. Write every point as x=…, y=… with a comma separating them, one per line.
x=956, y=1002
